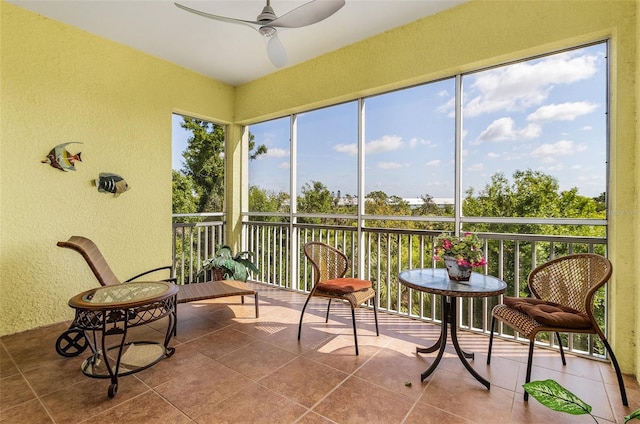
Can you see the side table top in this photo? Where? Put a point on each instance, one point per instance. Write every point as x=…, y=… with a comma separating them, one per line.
x=436, y=280
x=125, y=295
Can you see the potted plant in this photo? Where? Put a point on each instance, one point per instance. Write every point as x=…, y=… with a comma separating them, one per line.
x=224, y=265
x=460, y=254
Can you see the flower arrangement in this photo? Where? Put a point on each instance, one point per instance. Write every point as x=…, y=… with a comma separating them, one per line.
x=467, y=250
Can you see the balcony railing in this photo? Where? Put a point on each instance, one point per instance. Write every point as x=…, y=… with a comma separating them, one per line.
x=380, y=254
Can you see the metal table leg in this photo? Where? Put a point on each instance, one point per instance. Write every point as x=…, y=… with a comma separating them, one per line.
x=449, y=317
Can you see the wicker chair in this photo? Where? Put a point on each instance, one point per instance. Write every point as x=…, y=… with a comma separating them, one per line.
x=330, y=266
x=563, y=291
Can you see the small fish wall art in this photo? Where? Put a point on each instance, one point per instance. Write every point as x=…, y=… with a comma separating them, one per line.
x=111, y=183
x=60, y=158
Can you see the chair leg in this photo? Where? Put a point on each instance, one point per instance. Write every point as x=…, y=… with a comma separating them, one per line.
x=355, y=335
x=375, y=314
x=302, y=315
x=614, y=361
x=493, y=326
x=529, y=361
x=328, y=307
x=564, y=362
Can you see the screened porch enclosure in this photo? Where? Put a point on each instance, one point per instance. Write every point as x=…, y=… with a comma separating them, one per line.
x=383, y=253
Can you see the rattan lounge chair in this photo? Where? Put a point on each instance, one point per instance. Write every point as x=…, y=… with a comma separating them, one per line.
x=563, y=291
x=72, y=342
x=329, y=266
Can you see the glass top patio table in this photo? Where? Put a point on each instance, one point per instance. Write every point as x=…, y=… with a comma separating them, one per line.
x=436, y=281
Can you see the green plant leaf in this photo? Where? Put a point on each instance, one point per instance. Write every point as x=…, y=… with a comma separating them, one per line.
x=635, y=414
x=555, y=397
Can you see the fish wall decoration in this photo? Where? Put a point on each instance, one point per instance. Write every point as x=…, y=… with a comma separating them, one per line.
x=60, y=158
x=111, y=183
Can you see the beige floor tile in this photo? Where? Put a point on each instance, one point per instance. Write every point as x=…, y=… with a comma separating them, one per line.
x=89, y=397
x=256, y=404
x=359, y=401
x=146, y=408
x=257, y=359
x=31, y=412
x=201, y=389
x=229, y=366
x=304, y=380
x=14, y=390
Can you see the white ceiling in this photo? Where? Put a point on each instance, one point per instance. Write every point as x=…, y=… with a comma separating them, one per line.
x=227, y=52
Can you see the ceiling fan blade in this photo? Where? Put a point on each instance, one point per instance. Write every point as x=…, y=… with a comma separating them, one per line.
x=276, y=52
x=252, y=24
x=308, y=14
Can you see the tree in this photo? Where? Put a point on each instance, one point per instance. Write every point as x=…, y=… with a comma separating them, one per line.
x=204, y=166
x=185, y=197
x=316, y=198
x=204, y=162
x=530, y=194
x=267, y=201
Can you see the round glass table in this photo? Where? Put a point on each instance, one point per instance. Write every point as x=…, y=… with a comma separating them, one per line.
x=436, y=281
x=111, y=311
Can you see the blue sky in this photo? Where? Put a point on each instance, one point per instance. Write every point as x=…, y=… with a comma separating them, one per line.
x=546, y=114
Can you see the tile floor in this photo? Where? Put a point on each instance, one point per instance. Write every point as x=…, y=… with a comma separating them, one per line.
x=232, y=368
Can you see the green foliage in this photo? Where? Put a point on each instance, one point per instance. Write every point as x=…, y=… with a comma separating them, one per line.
x=555, y=397
x=204, y=162
x=267, y=201
x=635, y=414
x=185, y=197
x=235, y=267
x=202, y=176
x=316, y=198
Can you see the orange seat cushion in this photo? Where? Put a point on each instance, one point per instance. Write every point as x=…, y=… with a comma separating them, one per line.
x=549, y=313
x=343, y=285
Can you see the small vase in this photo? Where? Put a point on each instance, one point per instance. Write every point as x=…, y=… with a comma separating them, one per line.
x=457, y=272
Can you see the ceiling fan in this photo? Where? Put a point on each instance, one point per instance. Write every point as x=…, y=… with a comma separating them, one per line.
x=267, y=23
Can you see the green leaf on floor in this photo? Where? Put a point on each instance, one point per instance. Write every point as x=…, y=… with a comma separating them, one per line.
x=555, y=397
x=635, y=414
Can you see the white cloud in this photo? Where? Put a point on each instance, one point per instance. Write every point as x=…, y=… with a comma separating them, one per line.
x=274, y=152
x=587, y=128
x=529, y=132
x=390, y=165
x=548, y=152
x=415, y=141
x=387, y=143
x=524, y=84
x=505, y=129
x=447, y=107
x=435, y=162
x=284, y=165
x=350, y=149
x=476, y=167
x=562, y=112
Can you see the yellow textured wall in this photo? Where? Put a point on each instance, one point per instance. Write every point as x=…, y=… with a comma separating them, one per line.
x=60, y=84
x=480, y=34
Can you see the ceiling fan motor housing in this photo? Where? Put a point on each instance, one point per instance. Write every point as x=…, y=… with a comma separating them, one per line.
x=267, y=14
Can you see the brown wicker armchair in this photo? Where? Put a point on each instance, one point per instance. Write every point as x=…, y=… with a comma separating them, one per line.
x=329, y=268
x=563, y=291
